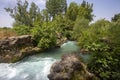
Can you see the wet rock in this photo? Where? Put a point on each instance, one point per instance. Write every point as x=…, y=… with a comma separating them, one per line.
x=70, y=68
x=13, y=49
x=60, y=41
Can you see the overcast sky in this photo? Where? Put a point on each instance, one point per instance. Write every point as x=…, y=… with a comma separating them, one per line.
x=102, y=9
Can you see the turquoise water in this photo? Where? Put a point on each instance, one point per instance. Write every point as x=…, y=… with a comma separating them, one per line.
x=36, y=67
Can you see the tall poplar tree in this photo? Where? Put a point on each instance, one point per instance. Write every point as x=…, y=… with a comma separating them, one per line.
x=55, y=7
x=72, y=11
x=85, y=11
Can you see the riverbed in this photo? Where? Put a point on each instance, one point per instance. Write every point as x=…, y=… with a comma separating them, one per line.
x=36, y=67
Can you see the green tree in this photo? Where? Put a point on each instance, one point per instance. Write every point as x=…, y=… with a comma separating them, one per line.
x=80, y=27
x=23, y=15
x=72, y=11
x=35, y=14
x=116, y=17
x=114, y=34
x=55, y=7
x=45, y=15
x=94, y=33
x=19, y=13
x=85, y=11
x=63, y=26
x=105, y=61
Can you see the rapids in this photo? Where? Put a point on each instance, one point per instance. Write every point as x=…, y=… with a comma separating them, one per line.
x=35, y=67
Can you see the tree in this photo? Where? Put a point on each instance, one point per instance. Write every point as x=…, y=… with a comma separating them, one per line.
x=19, y=13
x=80, y=26
x=24, y=15
x=72, y=11
x=104, y=61
x=35, y=14
x=45, y=15
x=116, y=17
x=85, y=11
x=55, y=7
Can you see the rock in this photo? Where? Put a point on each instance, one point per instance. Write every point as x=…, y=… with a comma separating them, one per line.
x=84, y=51
x=60, y=41
x=30, y=50
x=70, y=68
x=13, y=49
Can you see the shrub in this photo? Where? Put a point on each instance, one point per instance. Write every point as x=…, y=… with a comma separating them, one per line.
x=22, y=29
x=44, y=35
x=105, y=63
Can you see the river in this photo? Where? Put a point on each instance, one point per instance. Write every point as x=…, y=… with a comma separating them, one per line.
x=35, y=67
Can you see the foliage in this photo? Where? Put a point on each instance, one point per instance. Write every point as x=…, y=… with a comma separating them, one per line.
x=105, y=65
x=56, y=7
x=45, y=15
x=24, y=14
x=63, y=26
x=116, y=17
x=104, y=60
x=22, y=30
x=72, y=11
x=101, y=38
x=114, y=34
x=80, y=26
x=85, y=11
x=45, y=35
x=94, y=33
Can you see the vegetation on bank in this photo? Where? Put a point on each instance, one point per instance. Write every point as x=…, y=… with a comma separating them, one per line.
x=101, y=38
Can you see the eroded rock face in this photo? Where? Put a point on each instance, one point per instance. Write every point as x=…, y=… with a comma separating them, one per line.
x=19, y=41
x=14, y=48
x=70, y=68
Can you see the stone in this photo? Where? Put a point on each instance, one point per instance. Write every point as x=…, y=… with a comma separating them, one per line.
x=70, y=68
x=84, y=51
x=15, y=48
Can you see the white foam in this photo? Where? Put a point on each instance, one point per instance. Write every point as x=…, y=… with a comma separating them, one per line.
x=12, y=73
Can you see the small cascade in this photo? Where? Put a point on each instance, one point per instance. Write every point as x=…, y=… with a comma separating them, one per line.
x=35, y=67
x=31, y=70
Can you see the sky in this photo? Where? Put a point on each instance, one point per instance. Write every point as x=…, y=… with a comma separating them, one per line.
x=101, y=9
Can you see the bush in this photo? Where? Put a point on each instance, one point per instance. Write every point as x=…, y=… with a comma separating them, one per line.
x=105, y=60
x=93, y=33
x=44, y=35
x=81, y=25
x=105, y=65
x=22, y=29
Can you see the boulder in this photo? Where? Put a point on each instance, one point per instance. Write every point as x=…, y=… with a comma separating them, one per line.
x=13, y=49
x=60, y=41
x=70, y=68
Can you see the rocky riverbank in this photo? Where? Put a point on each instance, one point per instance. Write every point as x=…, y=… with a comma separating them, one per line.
x=70, y=68
x=13, y=49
